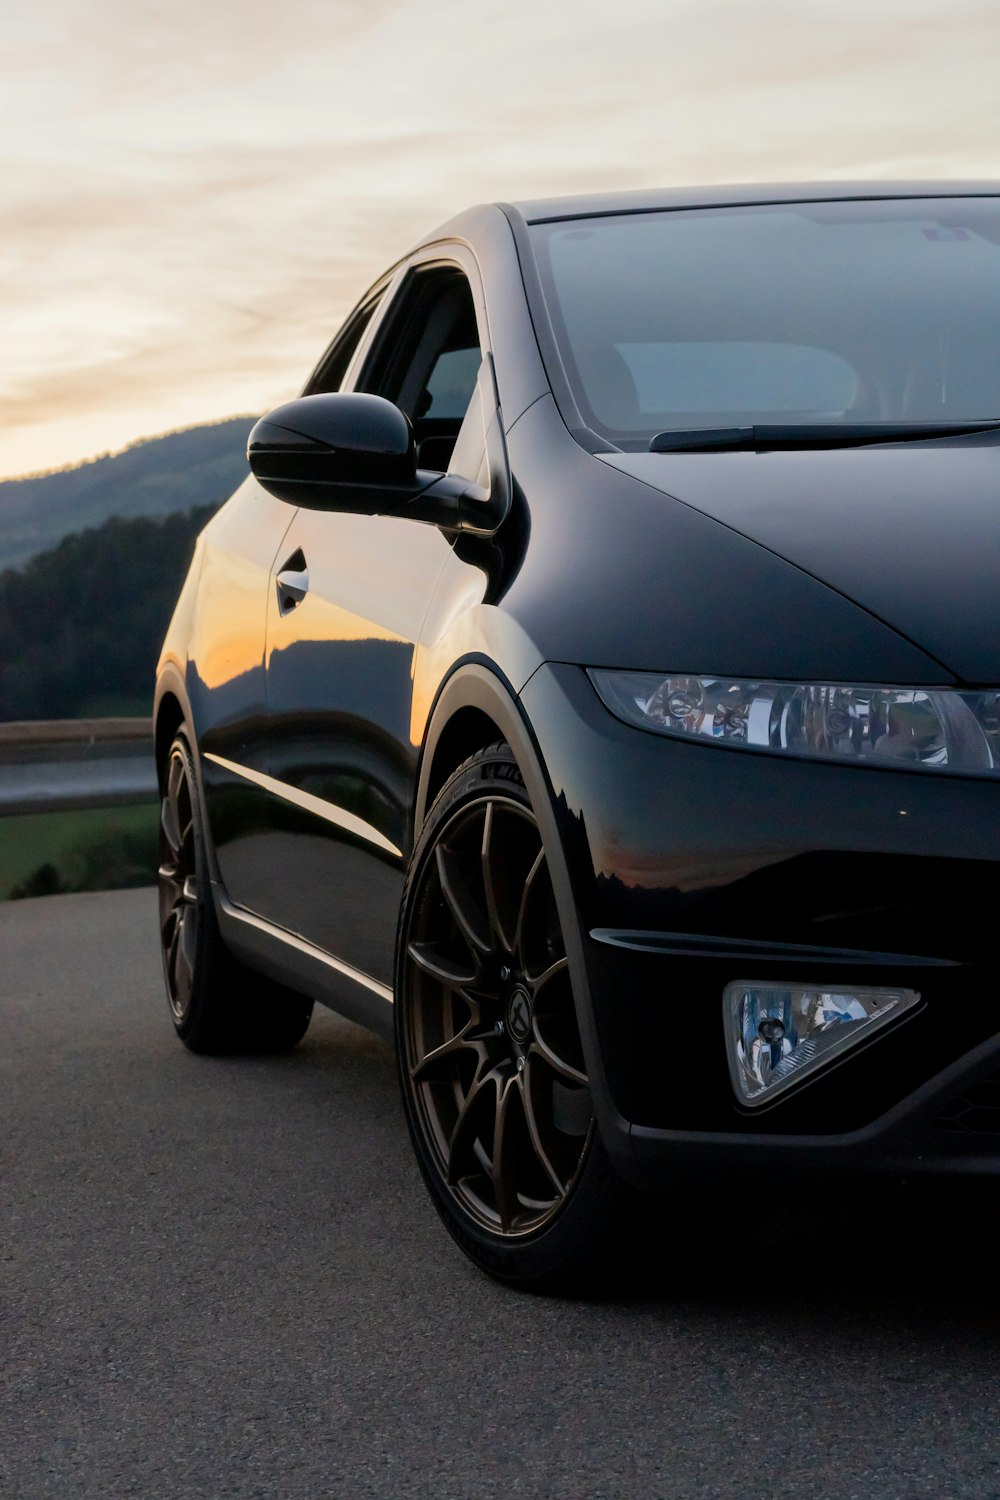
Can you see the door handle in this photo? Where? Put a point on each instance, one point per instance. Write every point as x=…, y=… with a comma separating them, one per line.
x=292, y=583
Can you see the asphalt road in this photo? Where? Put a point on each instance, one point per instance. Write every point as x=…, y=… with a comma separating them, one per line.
x=222, y=1278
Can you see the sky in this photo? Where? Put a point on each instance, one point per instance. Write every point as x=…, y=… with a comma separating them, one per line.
x=196, y=192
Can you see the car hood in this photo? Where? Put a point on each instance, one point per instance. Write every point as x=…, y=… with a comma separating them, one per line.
x=910, y=532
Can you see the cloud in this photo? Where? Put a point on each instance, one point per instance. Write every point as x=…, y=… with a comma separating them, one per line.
x=195, y=195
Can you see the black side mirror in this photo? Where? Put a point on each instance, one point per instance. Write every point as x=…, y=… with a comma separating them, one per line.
x=355, y=452
x=337, y=452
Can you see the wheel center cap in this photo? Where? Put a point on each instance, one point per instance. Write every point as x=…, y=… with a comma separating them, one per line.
x=519, y=1015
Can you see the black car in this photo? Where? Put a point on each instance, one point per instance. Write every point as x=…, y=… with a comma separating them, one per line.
x=596, y=685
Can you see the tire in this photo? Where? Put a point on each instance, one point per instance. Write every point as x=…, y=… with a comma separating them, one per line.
x=216, y=1004
x=491, y=1067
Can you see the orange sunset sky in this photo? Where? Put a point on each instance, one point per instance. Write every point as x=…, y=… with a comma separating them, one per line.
x=195, y=193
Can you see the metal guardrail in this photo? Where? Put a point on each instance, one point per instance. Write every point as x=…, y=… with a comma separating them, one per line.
x=50, y=765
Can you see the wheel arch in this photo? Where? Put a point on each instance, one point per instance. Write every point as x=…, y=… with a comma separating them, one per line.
x=475, y=707
x=170, y=711
x=168, y=721
x=469, y=729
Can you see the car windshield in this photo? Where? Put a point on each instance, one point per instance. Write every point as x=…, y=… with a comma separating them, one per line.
x=881, y=311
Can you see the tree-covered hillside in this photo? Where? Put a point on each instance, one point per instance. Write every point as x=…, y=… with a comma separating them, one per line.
x=154, y=477
x=81, y=626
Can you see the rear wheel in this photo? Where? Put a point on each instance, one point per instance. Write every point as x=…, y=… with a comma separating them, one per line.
x=216, y=1004
x=493, y=1075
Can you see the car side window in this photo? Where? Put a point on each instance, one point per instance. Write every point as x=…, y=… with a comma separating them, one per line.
x=426, y=359
x=332, y=368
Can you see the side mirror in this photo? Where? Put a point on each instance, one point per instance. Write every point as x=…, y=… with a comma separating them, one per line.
x=337, y=452
x=355, y=452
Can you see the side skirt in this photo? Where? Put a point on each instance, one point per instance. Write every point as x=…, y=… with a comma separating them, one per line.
x=290, y=960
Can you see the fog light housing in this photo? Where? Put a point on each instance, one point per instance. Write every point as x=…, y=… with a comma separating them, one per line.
x=778, y=1035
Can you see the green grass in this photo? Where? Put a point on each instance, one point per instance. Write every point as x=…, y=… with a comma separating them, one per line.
x=92, y=849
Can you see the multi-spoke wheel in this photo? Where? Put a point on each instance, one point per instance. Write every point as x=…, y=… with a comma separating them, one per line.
x=178, y=884
x=216, y=1004
x=493, y=1072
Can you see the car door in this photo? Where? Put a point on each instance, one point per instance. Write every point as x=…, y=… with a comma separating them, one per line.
x=349, y=597
x=226, y=677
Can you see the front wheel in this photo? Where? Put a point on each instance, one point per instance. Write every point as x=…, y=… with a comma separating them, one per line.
x=493, y=1074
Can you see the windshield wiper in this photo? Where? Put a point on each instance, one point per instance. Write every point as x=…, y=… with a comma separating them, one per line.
x=808, y=435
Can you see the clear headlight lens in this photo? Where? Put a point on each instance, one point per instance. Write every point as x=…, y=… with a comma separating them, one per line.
x=777, y=1035
x=935, y=729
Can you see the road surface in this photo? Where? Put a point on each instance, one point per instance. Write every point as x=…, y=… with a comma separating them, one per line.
x=223, y=1279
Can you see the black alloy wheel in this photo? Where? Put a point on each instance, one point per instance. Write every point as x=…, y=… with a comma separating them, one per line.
x=177, y=877
x=493, y=1074
x=216, y=1004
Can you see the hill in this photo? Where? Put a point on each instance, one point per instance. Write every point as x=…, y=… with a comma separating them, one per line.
x=155, y=477
x=91, y=647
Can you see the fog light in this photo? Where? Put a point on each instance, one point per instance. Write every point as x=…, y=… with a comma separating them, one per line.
x=775, y=1037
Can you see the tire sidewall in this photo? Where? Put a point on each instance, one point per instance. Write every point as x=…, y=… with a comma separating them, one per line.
x=208, y=945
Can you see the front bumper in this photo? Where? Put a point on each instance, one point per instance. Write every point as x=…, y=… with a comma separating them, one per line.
x=690, y=867
x=947, y=1129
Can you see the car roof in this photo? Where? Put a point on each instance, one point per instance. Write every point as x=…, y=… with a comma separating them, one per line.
x=646, y=200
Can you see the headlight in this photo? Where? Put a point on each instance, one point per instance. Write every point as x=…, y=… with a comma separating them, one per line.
x=933, y=729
